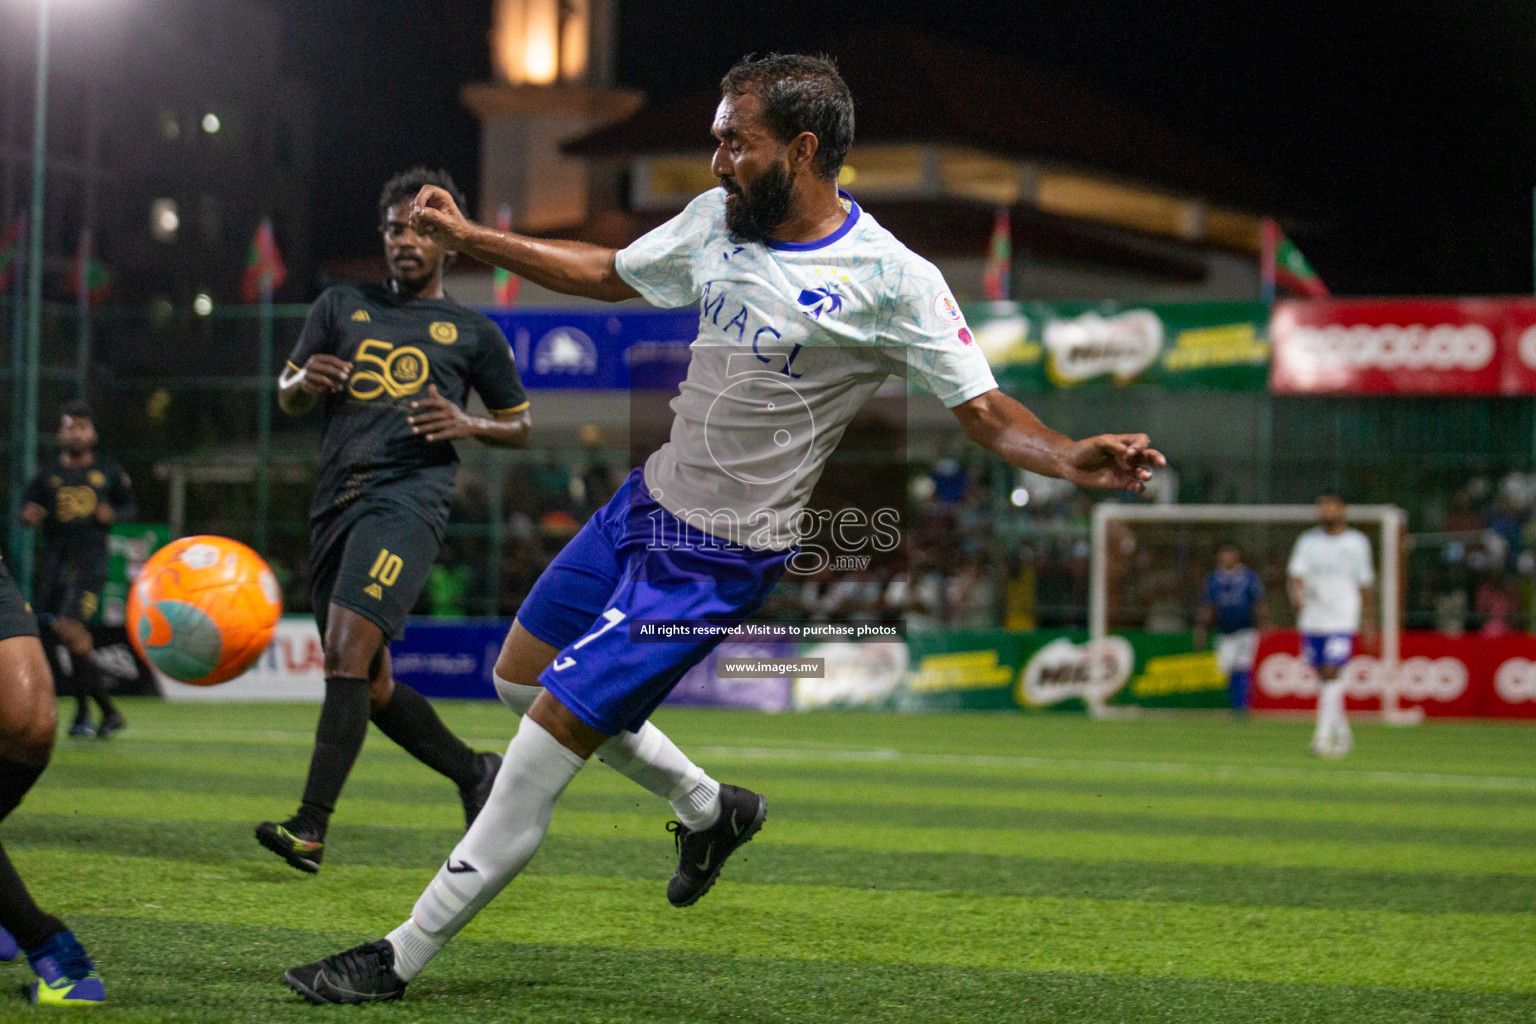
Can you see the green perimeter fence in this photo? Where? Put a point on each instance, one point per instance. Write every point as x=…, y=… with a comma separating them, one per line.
x=178, y=399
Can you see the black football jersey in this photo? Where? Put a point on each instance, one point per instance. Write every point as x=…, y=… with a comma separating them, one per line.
x=72, y=535
x=397, y=348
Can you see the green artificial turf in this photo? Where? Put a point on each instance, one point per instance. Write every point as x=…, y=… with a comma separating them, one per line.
x=913, y=868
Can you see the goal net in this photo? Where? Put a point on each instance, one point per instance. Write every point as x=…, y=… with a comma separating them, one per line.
x=1149, y=562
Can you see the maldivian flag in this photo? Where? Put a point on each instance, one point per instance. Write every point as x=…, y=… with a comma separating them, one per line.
x=10, y=251
x=262, y=260
x=89, y=273
x=995, y=279
x=504, y=284
x=1283, y=265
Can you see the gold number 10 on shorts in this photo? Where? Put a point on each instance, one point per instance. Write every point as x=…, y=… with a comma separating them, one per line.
x=386, y=568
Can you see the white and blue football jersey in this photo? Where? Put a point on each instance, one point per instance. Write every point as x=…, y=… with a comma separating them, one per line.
x=793, y=339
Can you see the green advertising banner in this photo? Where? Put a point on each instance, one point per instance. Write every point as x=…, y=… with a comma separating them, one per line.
x=979, y=670
x=1038, y=346
x=129, y=546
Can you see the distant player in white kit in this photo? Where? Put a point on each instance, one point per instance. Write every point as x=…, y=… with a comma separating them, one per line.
x=1332, y=579
x=806, y=307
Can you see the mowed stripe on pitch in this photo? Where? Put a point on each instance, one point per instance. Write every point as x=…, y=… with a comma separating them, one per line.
x=652, y=860
x=1474, y=952
x=1072, y=844
x=1518, y=819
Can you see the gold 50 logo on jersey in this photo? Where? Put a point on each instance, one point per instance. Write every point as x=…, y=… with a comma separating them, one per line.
x=383, y=369
x=73, y=503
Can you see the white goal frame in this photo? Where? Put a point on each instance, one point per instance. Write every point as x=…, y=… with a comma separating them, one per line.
x=1393, y=522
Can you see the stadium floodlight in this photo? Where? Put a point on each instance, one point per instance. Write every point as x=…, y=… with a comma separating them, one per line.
x=1390, y=520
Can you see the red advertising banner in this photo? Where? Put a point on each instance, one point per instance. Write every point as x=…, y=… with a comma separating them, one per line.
x=1404, y=347
x=1448, y=676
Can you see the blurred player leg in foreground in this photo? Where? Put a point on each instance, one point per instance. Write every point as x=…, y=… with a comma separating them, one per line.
x=28, y=720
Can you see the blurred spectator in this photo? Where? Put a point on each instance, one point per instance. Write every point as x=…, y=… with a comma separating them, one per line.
x=1497, y=603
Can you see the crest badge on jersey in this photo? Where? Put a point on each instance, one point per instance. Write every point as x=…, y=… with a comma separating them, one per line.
x=443, y=332
x=947, y=309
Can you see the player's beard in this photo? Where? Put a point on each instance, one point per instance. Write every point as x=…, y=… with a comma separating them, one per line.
x=752, y=215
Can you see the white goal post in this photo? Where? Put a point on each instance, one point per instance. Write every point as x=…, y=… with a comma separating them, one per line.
x=1391, y=519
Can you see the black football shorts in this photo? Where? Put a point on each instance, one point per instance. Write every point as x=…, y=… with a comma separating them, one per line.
x=372, y=559
x=16, y=618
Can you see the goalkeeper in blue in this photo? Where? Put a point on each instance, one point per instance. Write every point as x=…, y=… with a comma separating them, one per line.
x=807, y=306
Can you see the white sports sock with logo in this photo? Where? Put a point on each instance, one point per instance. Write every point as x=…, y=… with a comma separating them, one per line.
x=648, y=757
x=499, y=845
x=655, y=762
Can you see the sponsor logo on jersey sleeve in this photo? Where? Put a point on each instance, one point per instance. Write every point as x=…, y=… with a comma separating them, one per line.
x=947, y=309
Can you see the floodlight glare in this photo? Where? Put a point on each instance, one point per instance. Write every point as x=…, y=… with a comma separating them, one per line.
x=210, y=123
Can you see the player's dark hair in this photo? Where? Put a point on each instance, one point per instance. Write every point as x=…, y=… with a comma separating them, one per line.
x=402, y=188
x=76, y=409
x=799, y=94
x=1229, y=545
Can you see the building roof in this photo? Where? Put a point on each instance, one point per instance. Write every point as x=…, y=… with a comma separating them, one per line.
x=910, y=88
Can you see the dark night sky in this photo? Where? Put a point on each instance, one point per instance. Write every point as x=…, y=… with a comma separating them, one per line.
x=1401, y=141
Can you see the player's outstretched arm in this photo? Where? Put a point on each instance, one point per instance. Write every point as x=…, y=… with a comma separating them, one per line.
x=573, y=268
x=1112, y=461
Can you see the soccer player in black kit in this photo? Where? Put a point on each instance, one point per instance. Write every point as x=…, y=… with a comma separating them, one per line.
x=76, y=498
x=391, y=367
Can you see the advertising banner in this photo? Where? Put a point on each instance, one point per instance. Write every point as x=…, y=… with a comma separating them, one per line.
x=1404, y=347
x=1465, y=676
x=292, y=669
x=1051, y=670
x=1036, y=346
x=703, y=686
x=584, y=350
x=450, y=658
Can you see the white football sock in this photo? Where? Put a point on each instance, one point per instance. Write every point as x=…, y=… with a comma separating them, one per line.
x=1342, y=739
x=1321, y=734
x=1332, y=729
x=515, y=695
x=648, y=757
x=655, y=762
x=499, y=845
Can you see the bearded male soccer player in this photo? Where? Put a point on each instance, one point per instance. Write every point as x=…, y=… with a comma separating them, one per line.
x=77, y=498
x=28, y=721
x=760, y=255
x=392, y=367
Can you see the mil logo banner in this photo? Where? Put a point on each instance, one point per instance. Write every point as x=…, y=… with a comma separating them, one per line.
x=1037, y=346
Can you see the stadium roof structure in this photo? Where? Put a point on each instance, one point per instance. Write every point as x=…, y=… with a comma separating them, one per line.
x=946, y=134
x=913, y=88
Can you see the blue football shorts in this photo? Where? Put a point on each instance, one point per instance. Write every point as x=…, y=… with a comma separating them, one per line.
x=1328, y=650
x=634, y=562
